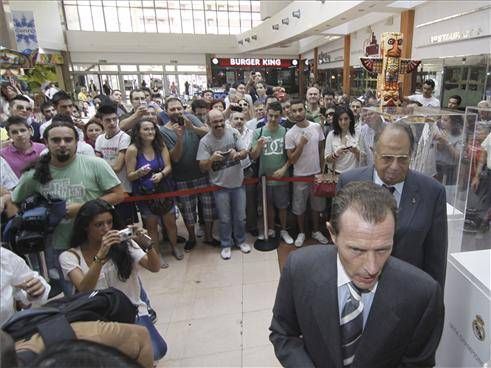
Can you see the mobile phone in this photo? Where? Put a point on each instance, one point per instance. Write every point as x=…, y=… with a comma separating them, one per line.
x=180, y=120
x=125, y=234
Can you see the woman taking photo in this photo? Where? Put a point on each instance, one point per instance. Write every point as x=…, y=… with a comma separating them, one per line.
x=148, y=167
x=342, y=143
x=100, y=257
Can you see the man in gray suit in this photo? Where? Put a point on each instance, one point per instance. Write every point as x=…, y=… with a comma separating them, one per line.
x=353, y=305
x=421, y=237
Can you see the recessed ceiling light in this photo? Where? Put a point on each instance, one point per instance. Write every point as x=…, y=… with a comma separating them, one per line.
x=343, y=18
x=361, y=10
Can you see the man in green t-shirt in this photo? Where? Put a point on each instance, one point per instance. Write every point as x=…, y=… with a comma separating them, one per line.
x=268, y=144
x=75, y=178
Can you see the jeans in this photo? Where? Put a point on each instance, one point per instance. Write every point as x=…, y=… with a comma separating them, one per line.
x=231, y=208
x=158, y=344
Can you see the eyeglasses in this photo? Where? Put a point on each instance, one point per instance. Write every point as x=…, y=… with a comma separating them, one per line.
x=389, y=159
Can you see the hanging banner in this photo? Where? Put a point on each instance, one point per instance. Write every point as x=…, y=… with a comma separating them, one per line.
x=25, y=31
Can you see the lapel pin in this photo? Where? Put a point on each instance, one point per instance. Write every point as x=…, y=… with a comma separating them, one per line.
x=413, y=200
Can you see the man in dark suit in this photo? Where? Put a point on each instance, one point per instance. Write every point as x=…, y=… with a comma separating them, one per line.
x=353, y=305
x=421, y=236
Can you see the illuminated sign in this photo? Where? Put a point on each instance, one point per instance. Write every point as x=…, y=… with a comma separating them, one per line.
x=455, y=36
x=255, y=62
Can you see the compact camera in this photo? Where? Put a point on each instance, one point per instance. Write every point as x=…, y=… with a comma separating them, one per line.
x=125, y=234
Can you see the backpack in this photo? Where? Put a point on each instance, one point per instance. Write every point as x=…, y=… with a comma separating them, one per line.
x=52, y=320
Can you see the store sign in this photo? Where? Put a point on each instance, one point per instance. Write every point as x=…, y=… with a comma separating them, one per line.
x=25, y=31
x=455, y=36
x=255, y=62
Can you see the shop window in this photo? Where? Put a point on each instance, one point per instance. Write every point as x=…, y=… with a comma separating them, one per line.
x=256, y=19
x=233, y=6
x=124, y=20
x=108, y=68
x=85, y=18
x=111, y=16
x=256, y=6
x=149, y=19
x=150, y=68
x=175, y=21
x=199, y=21
x=162, y=21
x=98, y=18
x=137, y=20
x=211, y=22
x=222, y=22
x=245, y=6
x=72, y=18
x=128, y=68
x=187, y=21
x=191, y=68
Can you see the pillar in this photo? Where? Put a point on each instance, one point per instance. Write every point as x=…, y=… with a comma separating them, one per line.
x=407, y=29
x=346, y=65
x=301, y=77
x=316, y=65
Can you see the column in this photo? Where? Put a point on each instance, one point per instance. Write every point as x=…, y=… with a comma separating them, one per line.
x=316, y=65
x=301, y=77
x=346, y=65
x=407, y=28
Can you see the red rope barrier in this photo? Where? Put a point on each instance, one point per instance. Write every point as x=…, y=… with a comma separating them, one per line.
x=211, y=188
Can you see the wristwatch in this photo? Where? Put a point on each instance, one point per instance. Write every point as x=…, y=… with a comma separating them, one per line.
x=99, y=260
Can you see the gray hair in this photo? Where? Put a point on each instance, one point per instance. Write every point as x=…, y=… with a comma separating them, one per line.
x=398, y=125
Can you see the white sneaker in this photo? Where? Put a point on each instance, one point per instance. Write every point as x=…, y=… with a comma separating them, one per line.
x=245, y=248
x=320, y=237
x=286, y=237
x=271, y=234
x=300, y=239
x=226, y=253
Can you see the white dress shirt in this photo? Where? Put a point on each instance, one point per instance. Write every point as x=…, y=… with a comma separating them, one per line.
x=398, y=187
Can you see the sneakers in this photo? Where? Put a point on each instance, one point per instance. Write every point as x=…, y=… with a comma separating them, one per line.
x=286, y=237
x=300, y=239
x=245, y=248
x=271, y=234
x=226, y=253
x=320, y=237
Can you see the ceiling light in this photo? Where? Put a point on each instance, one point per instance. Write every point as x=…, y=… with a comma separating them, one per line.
x=294, y=62
x=215, y=60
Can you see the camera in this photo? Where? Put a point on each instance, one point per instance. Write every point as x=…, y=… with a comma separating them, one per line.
x=235, y=108
x=180, y=120
x=125, y=234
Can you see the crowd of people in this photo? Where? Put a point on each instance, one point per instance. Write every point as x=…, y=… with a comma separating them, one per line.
x=96, y=154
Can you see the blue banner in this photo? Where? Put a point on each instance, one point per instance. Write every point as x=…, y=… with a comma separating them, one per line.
x=25, y=31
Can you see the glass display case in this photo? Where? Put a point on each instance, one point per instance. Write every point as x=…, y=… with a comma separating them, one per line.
x=448, y=147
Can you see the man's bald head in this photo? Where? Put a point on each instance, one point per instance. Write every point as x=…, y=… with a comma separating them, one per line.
x=216, y=120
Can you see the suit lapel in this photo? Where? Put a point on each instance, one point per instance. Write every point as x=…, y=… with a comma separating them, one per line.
x=326, y=311
x=410, y=200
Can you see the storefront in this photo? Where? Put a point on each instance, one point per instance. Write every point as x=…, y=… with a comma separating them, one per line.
x=283, y=72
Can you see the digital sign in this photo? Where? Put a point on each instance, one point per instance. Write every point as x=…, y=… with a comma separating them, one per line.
x=255, y=62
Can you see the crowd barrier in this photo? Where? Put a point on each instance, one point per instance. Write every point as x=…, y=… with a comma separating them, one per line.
x=211, y=188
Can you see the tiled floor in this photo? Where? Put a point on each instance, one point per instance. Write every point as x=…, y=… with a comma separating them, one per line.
x=216, y=313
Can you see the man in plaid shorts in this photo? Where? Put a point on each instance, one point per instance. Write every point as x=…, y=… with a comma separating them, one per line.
x=182, y=135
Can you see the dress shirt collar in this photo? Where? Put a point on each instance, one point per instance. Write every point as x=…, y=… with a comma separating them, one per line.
x=343, y=277
x=398, y=187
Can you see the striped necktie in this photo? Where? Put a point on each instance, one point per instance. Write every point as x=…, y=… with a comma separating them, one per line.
x=351, y=325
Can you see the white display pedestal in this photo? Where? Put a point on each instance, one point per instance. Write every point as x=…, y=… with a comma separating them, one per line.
x=466, y=340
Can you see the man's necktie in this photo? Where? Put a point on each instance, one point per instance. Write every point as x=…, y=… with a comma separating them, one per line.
x=389, y=188
x=351, y=325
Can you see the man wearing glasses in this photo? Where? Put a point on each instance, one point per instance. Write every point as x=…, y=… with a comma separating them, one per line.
x=421, y=235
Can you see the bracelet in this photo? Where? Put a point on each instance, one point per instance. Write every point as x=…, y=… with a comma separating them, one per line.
x=99, y=260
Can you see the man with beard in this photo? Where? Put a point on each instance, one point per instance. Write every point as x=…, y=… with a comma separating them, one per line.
x=62, y=173
x=182, y=136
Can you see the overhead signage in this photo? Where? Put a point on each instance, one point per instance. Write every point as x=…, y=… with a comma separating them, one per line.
x=454, y=36
x=25, y=31
x=255, y=62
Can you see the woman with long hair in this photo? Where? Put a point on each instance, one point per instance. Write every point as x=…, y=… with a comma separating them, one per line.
x=100, y=257
x=92, y=130
x=147, y=164
x=342, y=143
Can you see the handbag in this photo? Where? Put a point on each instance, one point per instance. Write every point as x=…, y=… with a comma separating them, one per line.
x=325, y=183
x=161, y=206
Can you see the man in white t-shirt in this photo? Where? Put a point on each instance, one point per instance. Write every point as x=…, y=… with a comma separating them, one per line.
x=426, y=99
x=111, y=146
x=304, y=144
